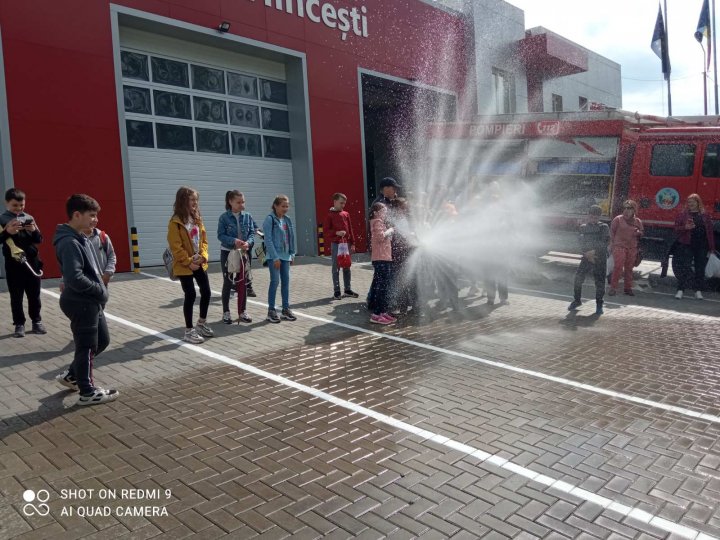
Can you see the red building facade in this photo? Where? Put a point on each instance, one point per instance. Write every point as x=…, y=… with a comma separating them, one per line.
x=65, y=130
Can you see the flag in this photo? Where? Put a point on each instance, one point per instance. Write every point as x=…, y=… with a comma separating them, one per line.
x=703, y=29
x=659, y=44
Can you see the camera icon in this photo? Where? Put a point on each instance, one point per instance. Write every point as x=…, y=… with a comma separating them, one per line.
x=42, y=496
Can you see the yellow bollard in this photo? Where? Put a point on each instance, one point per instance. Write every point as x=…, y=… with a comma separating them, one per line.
x=135, y=249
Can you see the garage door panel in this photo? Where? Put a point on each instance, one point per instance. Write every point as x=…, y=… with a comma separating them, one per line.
x=156, y=176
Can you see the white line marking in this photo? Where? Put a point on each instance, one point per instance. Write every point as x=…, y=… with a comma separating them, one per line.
x=500, y=365
x=425, y=435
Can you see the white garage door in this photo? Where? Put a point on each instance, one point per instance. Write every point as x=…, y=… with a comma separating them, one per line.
x=201, y=117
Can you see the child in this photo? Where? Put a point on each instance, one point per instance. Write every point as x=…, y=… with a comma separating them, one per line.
x=280, y=246
x=105, y=252
x=188, y=242
x=23, y=231
x=382, y=262
x=83, y=299
x=236, y=230
x=337, y=228
x=594, y=237
x=403, y=294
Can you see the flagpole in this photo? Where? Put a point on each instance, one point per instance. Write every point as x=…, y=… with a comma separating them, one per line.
x=667, y=45
x=714, y=53
x=704, y=78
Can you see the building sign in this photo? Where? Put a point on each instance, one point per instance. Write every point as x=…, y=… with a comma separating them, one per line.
x=344, y=20
x=544, y=128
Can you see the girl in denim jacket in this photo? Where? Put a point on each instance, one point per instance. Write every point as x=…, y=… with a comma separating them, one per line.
x=280, y=247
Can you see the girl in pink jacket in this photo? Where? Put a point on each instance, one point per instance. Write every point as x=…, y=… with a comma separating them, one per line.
x=382, y=262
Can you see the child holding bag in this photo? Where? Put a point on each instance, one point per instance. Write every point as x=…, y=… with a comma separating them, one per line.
x=236, y=234
x=337, y=229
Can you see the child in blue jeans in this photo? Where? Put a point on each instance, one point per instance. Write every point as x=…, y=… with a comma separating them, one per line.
x=280, y=247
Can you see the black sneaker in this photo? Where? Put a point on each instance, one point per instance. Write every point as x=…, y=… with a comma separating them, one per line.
x=349, y=293
x=337, y=295
x=574, y=305
x=272, y=316
x=66, y=381
x=38, y=328
x=251, y=292
x=599, y=308
x=227, y=318
x=19, y=330
x=288, y=315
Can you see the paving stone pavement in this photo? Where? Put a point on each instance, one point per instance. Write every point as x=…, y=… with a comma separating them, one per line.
x=217, y=451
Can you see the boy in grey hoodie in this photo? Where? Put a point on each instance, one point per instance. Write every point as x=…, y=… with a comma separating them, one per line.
x=83, y=299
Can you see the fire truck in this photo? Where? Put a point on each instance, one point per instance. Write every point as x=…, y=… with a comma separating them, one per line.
x=596, y=157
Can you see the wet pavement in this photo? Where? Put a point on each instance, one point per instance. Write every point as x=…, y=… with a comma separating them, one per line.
x=522, y=420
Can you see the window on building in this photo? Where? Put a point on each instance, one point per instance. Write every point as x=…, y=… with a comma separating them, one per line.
x=583, y=103
x=557, y=105
x=209, y=95
x=672, y=160
x=504, y=89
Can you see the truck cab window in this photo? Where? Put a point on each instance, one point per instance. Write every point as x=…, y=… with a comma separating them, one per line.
x=711, y=163
x=672, y=160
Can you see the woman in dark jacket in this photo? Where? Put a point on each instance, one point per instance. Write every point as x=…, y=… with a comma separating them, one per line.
x=695, y=243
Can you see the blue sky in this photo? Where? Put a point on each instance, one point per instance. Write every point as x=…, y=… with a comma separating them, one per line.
x=621, y=30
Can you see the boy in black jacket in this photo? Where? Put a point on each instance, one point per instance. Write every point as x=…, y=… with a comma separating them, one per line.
x=594, y=238
x=20, y=227
x=83, y=299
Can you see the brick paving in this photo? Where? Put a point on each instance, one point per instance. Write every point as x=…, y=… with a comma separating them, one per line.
x=243, y=456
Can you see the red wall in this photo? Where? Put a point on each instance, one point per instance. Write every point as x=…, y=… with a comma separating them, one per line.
x=62, y=102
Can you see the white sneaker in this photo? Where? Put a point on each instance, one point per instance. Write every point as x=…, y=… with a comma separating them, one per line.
x=699, y=295
x=679, y=295
x=191, y=336
x=204, y=330
x=100, y=395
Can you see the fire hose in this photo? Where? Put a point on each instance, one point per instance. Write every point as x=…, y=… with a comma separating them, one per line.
x=19, y=256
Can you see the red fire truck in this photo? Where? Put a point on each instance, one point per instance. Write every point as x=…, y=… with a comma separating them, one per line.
x=595, y=157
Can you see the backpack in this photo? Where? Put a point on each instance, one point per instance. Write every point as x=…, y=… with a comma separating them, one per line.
x=235, y=262
x=104, y=241
x=168, y=261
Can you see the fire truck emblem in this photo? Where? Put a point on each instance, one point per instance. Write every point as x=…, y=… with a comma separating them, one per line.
x=667, y=198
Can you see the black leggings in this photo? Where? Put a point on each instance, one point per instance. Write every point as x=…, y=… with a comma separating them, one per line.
x=689, y=266
x=188, y=287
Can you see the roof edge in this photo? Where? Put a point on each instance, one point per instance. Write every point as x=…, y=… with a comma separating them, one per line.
x=443, y=7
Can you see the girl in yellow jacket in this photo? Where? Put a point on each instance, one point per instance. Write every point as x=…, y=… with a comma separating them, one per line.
x=188, y=242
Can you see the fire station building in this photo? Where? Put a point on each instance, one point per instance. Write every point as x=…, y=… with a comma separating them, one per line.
x=131, y=99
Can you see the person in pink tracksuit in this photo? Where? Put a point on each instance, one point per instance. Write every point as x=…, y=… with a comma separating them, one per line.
x=625, y=232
